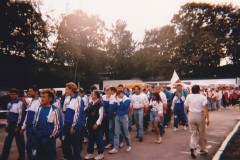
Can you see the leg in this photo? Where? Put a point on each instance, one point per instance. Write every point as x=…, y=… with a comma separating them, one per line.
x=7, y=145
x=176, y=119
x=140, y=122
x=76, y=143
x=202, y=133
x=117, y=132
x=135, y=115
x=20, y=145
x=111, y=130
x=106, y=130
x=91, y=138
x=29, y=145
x=182, y=117
x=99, y=140
x=194, y=131
x=66, y=146
x=124, y=126
x=130, y=120
x=50, y=150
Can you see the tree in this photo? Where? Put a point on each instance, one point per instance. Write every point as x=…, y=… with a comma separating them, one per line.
x=80, y=44
x=120, y=48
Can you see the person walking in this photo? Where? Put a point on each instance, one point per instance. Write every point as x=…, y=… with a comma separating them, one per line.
x=121, y=121
x=48, y=125
x=156, y=113
x=32, y=109
x=15, y=119
x=198, y=119
x=74, y=122
x=94, y=124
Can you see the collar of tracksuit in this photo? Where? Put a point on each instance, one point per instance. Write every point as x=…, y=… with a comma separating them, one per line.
x=14, y=101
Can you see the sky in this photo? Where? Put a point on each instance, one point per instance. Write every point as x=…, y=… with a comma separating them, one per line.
x=139, y=14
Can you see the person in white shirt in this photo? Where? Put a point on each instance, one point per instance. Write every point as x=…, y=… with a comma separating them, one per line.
x=156, y=114
x=198, y=119
x=139, y=105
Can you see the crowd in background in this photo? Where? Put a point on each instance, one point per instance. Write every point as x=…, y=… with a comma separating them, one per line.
x=104, y=121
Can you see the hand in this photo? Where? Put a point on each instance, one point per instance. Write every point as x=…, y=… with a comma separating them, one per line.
x=22, y=131
x=17, y=129
x=95, y=126
x=72, y=131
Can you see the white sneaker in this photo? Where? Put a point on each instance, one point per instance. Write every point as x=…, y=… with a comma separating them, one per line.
x=129, y=148
x=121, y=145
x=185, y=128
x=99, y=156
x=85, y=140
x=89, y=156
x=108, y=146
x=95, y=146
x=174, y=129
x=113, y=151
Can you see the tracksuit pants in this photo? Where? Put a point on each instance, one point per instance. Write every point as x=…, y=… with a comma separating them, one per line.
x=8, y=143
x=179, y=115
x=44, y=148
x=71, y=145
x=95, y=136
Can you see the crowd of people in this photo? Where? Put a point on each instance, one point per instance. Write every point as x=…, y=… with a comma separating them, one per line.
x=105, y=121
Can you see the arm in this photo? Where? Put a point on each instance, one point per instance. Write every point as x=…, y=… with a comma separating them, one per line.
x=206, y=114
x=99, y=121
x=56, y=124
x=20, y=114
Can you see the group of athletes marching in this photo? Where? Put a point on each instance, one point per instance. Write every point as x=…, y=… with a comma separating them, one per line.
x=105, y=121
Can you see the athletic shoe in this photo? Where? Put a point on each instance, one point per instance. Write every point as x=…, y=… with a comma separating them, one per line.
x=85, y=140
x=121, y=145
x=108, y=146
x=202, y=152
x=174, y=129
x=128, y=149
x=165, y=126
x=159, y=140
x=140, y=139
x=113, y=151
x=193, y=155
x=95, y=146
x=99, y=157
x=89, y=156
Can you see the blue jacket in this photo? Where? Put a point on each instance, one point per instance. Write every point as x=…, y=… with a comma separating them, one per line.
x=105, y=102
x=48, y=122
x=74, y=114
x=123, y=106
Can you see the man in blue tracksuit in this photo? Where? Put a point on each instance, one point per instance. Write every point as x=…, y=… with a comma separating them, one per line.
x=74, y=121
x=48, y=125
x=15, y=118
x=32, y=109
x=178, y=108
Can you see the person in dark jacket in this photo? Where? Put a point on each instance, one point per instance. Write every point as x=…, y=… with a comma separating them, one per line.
x=94, y=125
x=15, y=117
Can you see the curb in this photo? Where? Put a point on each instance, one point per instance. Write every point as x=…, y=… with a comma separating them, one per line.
x=225, y=142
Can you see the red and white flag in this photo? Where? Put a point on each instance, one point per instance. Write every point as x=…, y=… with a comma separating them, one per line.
x=175, y=78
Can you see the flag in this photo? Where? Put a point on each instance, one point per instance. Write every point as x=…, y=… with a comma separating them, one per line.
x=175, y=78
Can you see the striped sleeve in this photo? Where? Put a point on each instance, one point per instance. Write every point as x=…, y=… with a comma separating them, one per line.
x=20, y=113
x=56, y=123
x=77, y=110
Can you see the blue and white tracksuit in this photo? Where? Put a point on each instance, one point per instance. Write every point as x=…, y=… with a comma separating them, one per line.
x=47, y=127
x=179, y=115
x=28, y=124
x=74, y=118
x=15, y=117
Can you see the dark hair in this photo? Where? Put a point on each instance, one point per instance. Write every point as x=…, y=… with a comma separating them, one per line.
x=195, y=89
x=120, y=85
x=81, y=90
x=50, y=94
x=97, y=93
x=52, y=89
x=14, y=90
x=137, y=87
x=113, y=89
x=92, y=88
x=119, y=92
x=157, y=96
x=34, y=88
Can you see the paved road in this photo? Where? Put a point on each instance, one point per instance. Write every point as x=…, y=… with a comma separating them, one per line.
x=175, y=145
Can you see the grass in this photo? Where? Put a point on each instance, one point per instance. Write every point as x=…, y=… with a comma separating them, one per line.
x=232, y=150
